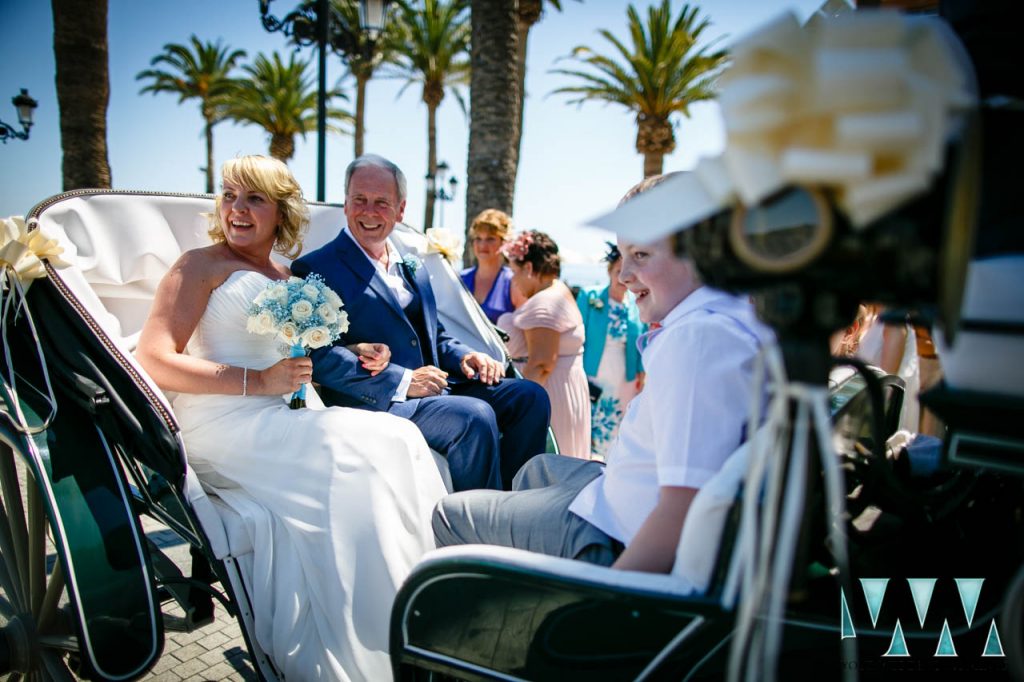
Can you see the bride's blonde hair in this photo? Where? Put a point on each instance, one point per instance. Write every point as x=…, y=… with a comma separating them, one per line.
x=271, y=177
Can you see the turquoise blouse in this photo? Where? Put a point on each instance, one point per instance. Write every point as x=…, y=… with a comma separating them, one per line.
x=593, y=305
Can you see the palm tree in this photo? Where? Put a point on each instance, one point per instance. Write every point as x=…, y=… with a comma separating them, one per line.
x=662, y=74
x=432, y=48
x=494, y=100
x=281, y=98
x=201, y=73
x=83, y=90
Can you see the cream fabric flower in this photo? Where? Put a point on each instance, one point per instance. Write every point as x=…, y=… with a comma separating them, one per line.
x=862, y=102
x=23, y=247
x=443, y=241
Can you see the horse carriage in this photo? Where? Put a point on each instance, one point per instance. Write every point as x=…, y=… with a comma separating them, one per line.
x=91, y=447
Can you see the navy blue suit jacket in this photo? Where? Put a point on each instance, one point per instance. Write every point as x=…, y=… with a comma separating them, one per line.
x=375, y=316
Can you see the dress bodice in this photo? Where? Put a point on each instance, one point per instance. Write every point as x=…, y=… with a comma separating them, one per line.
x=221, y=335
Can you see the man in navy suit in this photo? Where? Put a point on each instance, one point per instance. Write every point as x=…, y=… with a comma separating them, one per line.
x=456, y=396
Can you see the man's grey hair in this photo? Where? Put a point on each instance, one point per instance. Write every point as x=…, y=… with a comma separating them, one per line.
x=378, y=162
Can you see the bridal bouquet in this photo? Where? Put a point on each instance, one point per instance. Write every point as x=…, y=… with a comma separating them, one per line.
x=302, y=313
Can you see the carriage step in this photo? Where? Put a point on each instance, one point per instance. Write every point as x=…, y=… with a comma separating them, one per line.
x=192, y=595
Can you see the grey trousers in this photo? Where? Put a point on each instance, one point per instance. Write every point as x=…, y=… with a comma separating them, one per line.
x=534, y=515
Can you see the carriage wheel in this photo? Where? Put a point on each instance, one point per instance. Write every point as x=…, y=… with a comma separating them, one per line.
x=36, y=634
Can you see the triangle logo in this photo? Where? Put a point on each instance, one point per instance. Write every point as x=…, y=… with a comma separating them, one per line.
x=945, y=647
x=846, y=630
x=970, y=591
x=898, y=645
x=922, y=589
x=874, y=592
x=993, y=645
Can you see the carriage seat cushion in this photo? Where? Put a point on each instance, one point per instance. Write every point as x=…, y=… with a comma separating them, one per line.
x=701, y=538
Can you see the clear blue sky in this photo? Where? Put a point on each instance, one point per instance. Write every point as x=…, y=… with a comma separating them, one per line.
x=575, y=161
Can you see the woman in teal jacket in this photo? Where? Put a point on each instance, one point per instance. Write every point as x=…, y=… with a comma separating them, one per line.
x=610, y=355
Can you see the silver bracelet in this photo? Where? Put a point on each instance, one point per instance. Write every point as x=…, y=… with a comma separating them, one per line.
x=245, y=381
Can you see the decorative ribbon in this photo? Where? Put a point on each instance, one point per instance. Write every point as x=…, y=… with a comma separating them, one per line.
x=23, y=247
x=862, y=102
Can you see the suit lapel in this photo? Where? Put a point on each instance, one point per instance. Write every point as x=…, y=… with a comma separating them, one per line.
x=352, y=256
x=420, y=281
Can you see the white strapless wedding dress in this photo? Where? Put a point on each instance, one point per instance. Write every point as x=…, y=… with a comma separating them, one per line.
x=336, y=501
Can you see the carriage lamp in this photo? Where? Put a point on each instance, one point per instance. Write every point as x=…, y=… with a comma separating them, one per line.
x=314, y=22
x=25, y=105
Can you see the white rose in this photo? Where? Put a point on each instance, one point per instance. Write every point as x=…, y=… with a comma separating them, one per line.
x=278, y=292
x=301, y=310
x=294, y=280
x=261, y=323
x=316, y=337
x=310, y=292
x=289, y=333
x=342, y=321
x=329, y=314
x=332, y=298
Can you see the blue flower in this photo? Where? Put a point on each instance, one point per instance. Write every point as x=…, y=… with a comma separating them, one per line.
x=411, y=262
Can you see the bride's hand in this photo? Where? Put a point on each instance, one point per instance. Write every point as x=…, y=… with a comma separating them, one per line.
x=285, y=376
x=374, y=356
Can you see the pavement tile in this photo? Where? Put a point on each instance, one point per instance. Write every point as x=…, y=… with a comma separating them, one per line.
x=166, y=676
x=187, y=669
x=189, y=652
x=214, y=640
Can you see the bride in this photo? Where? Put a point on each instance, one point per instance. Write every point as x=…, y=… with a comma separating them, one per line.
x=336, y=501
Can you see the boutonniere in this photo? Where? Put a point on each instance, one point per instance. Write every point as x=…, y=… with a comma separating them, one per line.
x=411, y=262
x=597, y=303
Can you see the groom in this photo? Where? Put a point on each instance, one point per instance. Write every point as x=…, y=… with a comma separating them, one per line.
x=456, y=396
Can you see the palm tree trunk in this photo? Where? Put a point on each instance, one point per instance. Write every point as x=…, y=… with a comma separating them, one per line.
x=282, y=146
x=654, y=139
x=654, y=163
x=495, y=99
x=209, y=155
x=83, y=90
x=428, y=213
x=529, y=14
x=360, y=112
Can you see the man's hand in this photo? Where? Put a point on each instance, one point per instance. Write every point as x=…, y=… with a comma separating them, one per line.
x=374, y=357
x=427, y=381
x=482, y=366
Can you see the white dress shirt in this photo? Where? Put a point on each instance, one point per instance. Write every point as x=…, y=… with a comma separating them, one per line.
x=690, y=415
x=396, y=283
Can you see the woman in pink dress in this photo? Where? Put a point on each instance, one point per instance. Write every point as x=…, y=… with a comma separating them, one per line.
x=546, y=338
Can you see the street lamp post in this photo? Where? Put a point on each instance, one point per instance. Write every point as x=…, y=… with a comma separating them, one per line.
x=310, y=24
x=435, y=187
x=25, y=106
